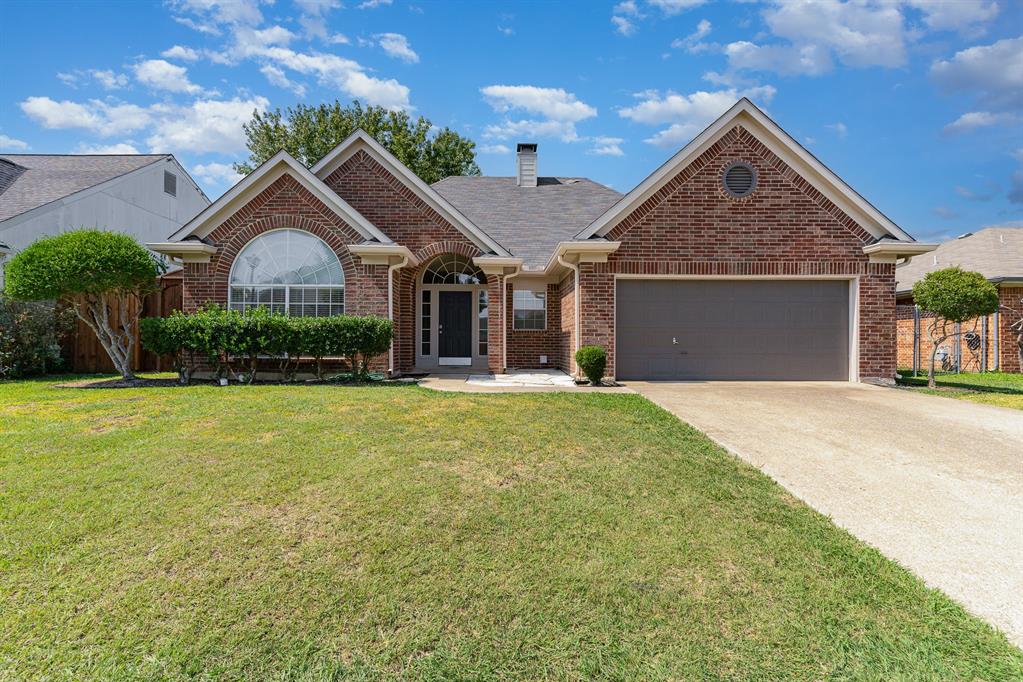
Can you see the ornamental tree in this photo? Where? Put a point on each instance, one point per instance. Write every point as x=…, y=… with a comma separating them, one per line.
x=953, y=296
x=100, y=275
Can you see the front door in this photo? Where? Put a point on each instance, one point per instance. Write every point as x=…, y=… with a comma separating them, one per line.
x=454, y=333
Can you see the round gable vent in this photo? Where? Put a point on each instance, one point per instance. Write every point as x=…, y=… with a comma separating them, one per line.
x=740, y=179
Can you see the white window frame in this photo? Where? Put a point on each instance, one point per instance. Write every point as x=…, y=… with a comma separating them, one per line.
x=247, y=305
x=534, y=289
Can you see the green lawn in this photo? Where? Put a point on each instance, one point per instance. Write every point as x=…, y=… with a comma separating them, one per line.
x=990, y=388
x=323, y=532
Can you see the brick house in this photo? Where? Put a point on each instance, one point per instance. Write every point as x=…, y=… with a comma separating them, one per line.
x=742, y=257
x=988, y=343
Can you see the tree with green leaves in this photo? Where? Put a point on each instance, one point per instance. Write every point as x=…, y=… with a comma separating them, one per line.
x=99, y=275
x=309, y=132
x=953, y=296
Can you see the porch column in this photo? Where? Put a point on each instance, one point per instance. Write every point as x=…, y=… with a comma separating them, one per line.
x=497, y=269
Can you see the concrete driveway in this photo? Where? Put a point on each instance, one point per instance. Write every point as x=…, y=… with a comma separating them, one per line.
x=932, y=482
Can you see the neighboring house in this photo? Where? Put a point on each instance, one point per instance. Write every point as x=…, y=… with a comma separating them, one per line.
x=996, y=253
x=742, y=257
x=142, y=195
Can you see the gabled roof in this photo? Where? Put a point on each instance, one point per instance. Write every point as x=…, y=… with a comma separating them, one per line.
x=28, y=181
x=744, y=112
x=281, y=163
x=361, y=140
x=995, y=252
x=529, y=221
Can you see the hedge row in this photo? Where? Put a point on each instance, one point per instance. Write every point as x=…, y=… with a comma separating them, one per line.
x=233, y=343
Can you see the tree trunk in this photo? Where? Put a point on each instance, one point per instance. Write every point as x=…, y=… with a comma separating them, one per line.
x=96, y=315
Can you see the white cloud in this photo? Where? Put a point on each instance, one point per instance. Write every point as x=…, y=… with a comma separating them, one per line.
x=627, y=7
x=972, y=120
x=313, y=16
x=396, y=45
x=945, y=213
x=373, y=4
x=553, y=103
x=277, y=77
x=236, y=12
x=10, y=143
x=251, y=42
x=607, y=146
x=204, y=126
x=97, y=116
x=185, y=54
x=692, y=42
x=218, y=174
x=507, y=30
x=160, y=74
x=345, y=74
x=672, y=7
x=201, y=27
x=810, y=60
x=956, y=15
x=118, y=148
x=560, y=111
x=993, y=72
x=816, y=34
x=495, y=149
x=623, y=25
x=839, y=128
x=110, y=80
x=687, y=114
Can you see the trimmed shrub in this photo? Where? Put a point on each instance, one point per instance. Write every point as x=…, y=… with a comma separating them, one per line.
x=30, y=337
x=234, y=343
x=592, y=360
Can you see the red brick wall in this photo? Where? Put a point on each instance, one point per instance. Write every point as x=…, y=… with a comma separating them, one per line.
x=1011, y=300
x=526, y=346
x=402, y=215
x=785, y=228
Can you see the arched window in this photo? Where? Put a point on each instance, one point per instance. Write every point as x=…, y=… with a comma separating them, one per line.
x=453, y=269
x=288, y=271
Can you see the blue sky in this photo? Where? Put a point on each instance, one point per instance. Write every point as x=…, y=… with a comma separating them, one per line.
x=918, y=104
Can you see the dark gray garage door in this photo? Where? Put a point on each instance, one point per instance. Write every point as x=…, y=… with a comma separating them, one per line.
x=732, y=329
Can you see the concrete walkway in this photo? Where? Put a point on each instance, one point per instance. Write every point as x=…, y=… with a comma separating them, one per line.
x=533, y=381
x=934, y=483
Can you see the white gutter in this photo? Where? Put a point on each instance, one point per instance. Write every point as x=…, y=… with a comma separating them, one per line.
x=504, y=313
x=391, y=269
x=574, y=267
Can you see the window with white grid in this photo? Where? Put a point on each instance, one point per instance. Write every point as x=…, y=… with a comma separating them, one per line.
x=288, y=271
x=530, y=309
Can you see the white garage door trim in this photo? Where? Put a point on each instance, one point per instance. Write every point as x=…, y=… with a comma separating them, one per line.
x=854, y=307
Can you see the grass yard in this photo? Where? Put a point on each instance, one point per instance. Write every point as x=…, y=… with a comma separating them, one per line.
x=322, y=532
x=990, y=388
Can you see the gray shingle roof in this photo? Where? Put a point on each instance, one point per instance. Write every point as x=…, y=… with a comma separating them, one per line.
x=528, y=221
x=31, y=180
x=993, y=252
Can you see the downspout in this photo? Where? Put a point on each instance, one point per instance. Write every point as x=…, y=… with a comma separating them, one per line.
x=574, y=267
x=504, y=316
x=391, y=269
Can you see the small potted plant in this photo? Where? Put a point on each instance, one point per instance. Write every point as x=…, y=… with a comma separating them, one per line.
x=592, y=361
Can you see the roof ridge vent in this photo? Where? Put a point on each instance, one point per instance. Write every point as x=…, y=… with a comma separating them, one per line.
x=525, y=164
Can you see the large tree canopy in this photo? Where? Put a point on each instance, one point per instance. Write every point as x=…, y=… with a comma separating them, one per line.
x=98, y=274
x=308, y=133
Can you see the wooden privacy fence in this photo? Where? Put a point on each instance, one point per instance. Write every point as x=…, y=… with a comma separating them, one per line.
x=85, y=354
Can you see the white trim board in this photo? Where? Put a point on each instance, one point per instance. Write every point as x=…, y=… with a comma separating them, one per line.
x=280, y=164
x=854, y=305
x=780, y=143
x=361, y=140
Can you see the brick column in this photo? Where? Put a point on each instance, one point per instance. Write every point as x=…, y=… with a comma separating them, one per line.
x=495, y=323
x=1012, y=306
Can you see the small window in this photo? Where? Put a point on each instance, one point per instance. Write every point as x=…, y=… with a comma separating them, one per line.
x=740, y=179
x=425, y=327
x=484, y=318
x=170, y=183
x=530, y=309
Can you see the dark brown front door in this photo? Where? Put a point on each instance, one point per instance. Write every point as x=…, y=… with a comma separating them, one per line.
x=455, y=330
x=732, y=330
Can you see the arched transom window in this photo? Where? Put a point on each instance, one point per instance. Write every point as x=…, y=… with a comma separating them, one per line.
x=453, y=269
x=288, y=271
